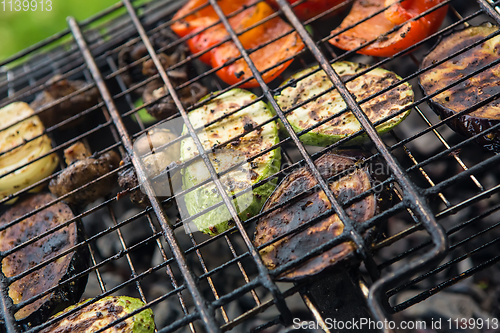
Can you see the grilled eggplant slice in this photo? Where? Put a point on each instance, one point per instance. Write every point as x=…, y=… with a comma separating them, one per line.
x=238, y=151
x=331, y=103
x=68, y=108
x=97, y=315
x=314, y=203
x=470, y=92
x=44, y=249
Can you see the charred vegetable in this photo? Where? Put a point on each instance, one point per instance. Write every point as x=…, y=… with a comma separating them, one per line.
x=155, y=163
x=235, y=153
x=202, y=26
x=155, y=91
x=82, y=169
x=465, y=95
x=60, y=88
x=17, y=151
x=364, y=25
x=331, y=103
x=165, y=106
x=139, y=72
x=97, y=315
x=48, y=247
x=310, y=8
x=314, y=203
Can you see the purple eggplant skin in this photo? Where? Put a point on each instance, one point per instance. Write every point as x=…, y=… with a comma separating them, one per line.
x=360, y=178
x=47, y=247
x=470, y=92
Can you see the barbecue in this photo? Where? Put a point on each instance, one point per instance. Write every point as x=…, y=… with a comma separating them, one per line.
x=182, y=217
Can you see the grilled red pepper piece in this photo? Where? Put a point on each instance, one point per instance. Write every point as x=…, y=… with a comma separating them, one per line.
x=206, y=17
x=377, y=27
x=309, y=8
x=266, y=57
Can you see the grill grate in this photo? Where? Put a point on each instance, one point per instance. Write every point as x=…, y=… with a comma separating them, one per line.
x=448, y=218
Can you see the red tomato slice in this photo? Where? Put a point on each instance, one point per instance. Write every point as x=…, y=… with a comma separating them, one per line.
x=309, y=8
x=375, y=27
x=264, y=58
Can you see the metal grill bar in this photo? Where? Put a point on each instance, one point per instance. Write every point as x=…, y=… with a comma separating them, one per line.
x=204, y=310
x=449, y=232
x=102, y=53
x=264, y=276
x=113, y=67
x=97, y=298
x=95, y=267
x=6, y=304
x=413, y=199
x=447, y=283
x=447, y=145
x=449, y=263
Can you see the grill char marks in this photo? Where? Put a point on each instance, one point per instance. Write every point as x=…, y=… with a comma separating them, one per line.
x=95, y=316
x=310, y=206
x=327, y=104
x=82, y=325
x=476, y=89
x=165, y=107
x=245, y=140
x=42, y=250
x=135, y=52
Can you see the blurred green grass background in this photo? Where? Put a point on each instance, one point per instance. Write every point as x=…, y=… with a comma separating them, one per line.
x=20, y=29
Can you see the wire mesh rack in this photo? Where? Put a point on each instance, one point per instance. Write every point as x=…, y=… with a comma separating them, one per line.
x=445, y=210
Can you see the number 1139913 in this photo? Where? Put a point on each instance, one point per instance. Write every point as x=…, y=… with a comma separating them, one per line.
x=26, y=5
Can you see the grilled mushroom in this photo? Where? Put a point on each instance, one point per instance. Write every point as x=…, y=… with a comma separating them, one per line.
x=165, y=106
x=154, y=164
x=135, y=52
x=82, y=169
x=470, y=92
x=311, y=205
x=46, y=248
x=127, y=179
x=179, y=75
x=60, y=88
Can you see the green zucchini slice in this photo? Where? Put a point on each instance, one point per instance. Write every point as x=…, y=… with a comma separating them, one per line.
x=237, y=152
x=97, y=315
x=331, y=103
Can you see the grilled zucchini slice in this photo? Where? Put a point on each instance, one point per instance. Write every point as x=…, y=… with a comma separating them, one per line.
x=27, y=136
x=236, y=152
x=97, y=315
x=331, y=103
x=470, y=92
x=40, y=251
